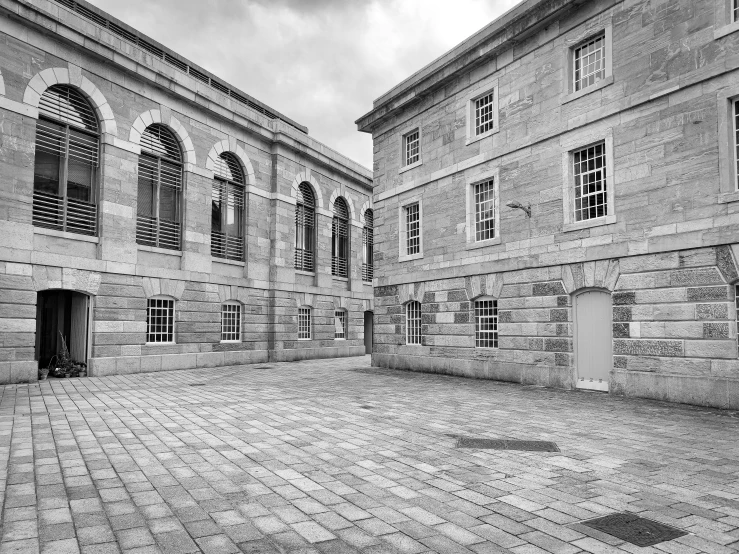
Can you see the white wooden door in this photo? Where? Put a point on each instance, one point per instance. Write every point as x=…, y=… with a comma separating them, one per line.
x=593, y=339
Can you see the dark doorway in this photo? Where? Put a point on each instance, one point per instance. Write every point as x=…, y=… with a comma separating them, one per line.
x=368, y=330
x=61, y=313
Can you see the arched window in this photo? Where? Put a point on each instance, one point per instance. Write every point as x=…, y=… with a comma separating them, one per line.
x=65, y=168
x=413, y=323
x=486, y=323
x=340, y=239
x=160, y=189
x=340, y=323
x=368, y=240
x=305, y=323
x=160, y=319
x=305, y=216
x=227, y=219
x=231, y=322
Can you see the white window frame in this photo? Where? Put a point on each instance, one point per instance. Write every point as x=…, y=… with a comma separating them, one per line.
x=341, y=315
x=575, y=40
x=726, y=101
x=404, y=134
x=149, y=308
x=496, y=319
x=480, y=90
x=408, y=326
x=725, y=20
x=403, y=255
x=573, y=144
x=302, y=310
x=224, y=312
x=472, y=242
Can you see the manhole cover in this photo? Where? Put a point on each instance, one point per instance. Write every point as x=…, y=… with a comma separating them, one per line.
x=634, y=529
x=196, y=384
x=498, y=444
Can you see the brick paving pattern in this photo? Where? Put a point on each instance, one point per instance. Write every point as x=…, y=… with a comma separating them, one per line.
x=336, y=456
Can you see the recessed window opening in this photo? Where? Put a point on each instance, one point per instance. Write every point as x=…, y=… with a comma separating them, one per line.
x=413, y=323
x=735, y=11
x=231, y=322
x=736, y=139
x=159, y=189
x=485, y=210
x=413, y=229
x=412, y=147
x=304, y=323
x=367, y=246
x=590, y=182
x=66, y=161
x=340, y=324
x=486, y=323
x=340, y=239
x=484, y=116
x=227, y=213
x=305, y=214
x=590, y=62
x=160, y=320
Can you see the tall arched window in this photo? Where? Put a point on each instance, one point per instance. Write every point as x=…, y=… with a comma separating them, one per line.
x=305, y=216
x=340, y=239
x=368, y=240
x=227, y=220
x=413, y=323
x=160, y=189
x=65, y=168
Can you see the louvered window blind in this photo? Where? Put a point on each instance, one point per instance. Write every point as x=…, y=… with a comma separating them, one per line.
x=227, y=219
x=305, y=215
x=340, y=240
x=368, y=238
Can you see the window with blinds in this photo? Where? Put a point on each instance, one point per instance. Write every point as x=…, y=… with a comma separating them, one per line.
x=340, y=239
x=159, y=189
x=305, y=216
x=367, y=246
x=227, y=217
x=66, y=162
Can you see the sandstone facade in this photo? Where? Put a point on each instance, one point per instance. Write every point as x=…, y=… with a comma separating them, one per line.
x=133, y=82
x=663, y=111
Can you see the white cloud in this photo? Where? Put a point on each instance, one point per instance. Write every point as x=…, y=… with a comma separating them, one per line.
x=319, y=62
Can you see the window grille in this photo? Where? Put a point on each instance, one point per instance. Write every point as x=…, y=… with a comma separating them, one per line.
x=736, y=137
x=590, y=183
x=304, y=323
x=305, y=215
x=485, y=210
x=159, y=189
x=368, y=238
x=590, y=62
x=413, y=323
x=340, y=239
x=340, y=324
x=66, y=161
x=412, y=147
x=486, y=324
x=160, y=320
x=227, y=213
x=484, y=116
x=413, y=229
x=231, y=322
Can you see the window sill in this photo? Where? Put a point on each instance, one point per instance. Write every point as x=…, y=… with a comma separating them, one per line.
x=301, y=272
x=65, y=235
x=338, y=339
x=409, y=257
x=483, y=243
x=409, y=167
x=160, y=344
x=227, y=261
x=727, y=197
x=597, y=222
x=304, y=340
x=490, y=133
x=726, y=30
x=159, y=250
x=367, y=283
x=230, y=342
x=580, y=93
x=344, y=279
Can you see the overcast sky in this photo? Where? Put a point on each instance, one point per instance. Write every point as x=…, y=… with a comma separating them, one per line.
x=319, y=62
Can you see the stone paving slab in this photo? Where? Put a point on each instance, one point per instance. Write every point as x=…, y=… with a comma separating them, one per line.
x=335, y=456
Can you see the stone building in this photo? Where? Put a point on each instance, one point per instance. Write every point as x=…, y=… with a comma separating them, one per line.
x=155, y=217
x=557, y=202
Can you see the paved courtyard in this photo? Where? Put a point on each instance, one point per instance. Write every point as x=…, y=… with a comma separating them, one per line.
x=336, y=456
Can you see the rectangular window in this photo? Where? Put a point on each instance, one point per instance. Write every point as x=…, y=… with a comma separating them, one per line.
x=413, y=323
x=160, y=320
x=231, y=322
x=304, y=324
x=413, y=229
x=736, y=304
x=484, y=114
x=590, y=62
x=486, y=324
x=736, y=139
x=485, y=210
x=411, y=147
x=339, y=324
x=735, y=10
x=590, y=182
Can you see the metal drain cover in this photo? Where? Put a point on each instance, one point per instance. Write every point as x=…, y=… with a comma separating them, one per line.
x=196, y=385
x=498, y=444
x=634, y=529
x=264, y=367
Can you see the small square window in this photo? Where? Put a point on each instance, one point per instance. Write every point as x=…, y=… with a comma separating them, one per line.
x=160, y=320
x=486, y=323
x=413, y=229
x=304, y=323
x=591, y=199
x=485, y=114
x=590, y=62
x=412, y=147
x=485, y=210
x=231, y=322
x=340, y=324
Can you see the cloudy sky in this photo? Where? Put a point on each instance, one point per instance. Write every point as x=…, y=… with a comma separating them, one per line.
x=320, y=62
